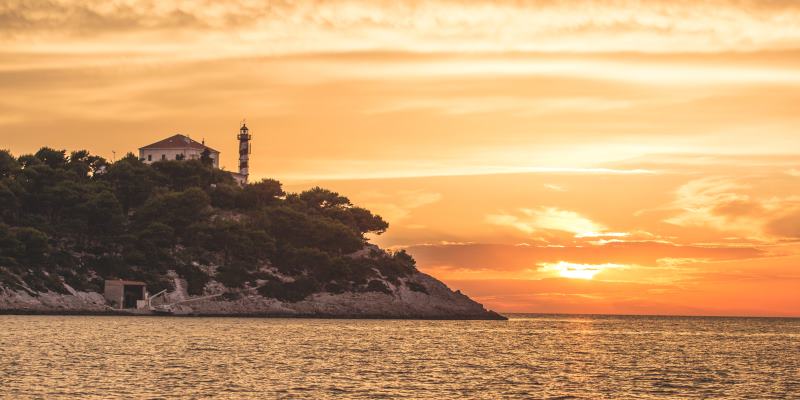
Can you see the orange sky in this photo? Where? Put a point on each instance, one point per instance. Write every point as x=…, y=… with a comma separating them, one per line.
x=588, y=156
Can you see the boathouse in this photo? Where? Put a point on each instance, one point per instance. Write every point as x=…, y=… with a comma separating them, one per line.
x=125, y=294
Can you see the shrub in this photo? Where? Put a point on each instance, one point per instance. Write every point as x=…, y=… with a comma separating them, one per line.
x=196, y=279
x=233, y=275
x=289, y=291
x=416, y=287
x=377, y=286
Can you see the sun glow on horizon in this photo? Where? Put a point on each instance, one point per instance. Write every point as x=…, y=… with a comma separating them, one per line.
x=577, y=271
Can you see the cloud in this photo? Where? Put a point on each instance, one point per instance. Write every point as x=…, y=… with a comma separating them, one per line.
x=554, y=187
x=513, y=258
x=736, y=208
x=713, y=201
x=519, y=106
x=787, y=226
x=739, y=205
x=530, y=220
x=428, y=26
x=398, y=205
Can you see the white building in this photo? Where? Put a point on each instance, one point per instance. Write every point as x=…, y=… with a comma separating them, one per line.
x=178, y=147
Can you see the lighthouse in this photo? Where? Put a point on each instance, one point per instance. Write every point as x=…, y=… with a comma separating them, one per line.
x=244, y=151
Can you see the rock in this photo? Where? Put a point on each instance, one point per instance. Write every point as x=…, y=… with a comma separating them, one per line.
x=80, y=302
x=438, y=303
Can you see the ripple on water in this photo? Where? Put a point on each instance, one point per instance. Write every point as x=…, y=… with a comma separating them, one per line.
x=554, y=357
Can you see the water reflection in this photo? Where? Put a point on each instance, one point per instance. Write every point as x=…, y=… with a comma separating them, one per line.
x=530, y=356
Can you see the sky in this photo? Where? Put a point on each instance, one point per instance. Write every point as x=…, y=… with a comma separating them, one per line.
x=606, y=156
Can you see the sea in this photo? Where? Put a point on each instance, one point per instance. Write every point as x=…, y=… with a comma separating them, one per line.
x=528, y=356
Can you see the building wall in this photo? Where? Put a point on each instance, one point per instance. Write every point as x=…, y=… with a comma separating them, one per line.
x=149, y=156
x=113, y=293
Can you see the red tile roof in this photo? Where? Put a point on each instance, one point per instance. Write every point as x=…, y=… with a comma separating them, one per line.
x=178, y=142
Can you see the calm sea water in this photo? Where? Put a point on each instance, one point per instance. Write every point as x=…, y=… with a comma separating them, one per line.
x=589, y=357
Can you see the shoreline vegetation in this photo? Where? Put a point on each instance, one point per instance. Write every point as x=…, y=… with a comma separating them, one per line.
x=70, y=222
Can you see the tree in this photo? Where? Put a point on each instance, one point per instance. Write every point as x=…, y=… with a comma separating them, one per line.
x=9, y=204
x=34, y=245
x=178, y=210
x=262, y=193
x=131, y=180
x=152, y=244
x=359, y=219
x=52, y=158
x=367, y=222
x=105, y=215
x=205, y=158
x=79, y=220
x=10, y=247
x=158, y=234
x=182, y=175
x=297, y=229
x=9, y=166
x=179, y=175
x=28, y=160
x=319, y=198
x=225, y=196
x=84, y=164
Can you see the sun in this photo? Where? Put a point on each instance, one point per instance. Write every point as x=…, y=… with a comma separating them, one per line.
x=576, y=271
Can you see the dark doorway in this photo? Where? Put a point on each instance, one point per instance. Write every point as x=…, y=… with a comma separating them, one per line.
x=131, y=293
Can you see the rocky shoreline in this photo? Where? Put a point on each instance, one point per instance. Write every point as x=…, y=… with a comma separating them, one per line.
x=438, y=302
x=492, y=317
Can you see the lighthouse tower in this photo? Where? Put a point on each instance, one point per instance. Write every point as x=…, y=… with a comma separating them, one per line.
x=244, y=151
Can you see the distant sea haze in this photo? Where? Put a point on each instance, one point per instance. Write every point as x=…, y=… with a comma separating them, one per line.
x=529, y=356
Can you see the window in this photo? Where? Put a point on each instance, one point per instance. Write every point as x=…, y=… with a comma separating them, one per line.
x=149, y=157
x=163, y=157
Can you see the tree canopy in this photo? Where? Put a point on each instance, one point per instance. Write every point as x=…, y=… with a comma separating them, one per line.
x=75, y=218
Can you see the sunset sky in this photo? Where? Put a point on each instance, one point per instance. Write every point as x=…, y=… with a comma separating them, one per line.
x=638, y=157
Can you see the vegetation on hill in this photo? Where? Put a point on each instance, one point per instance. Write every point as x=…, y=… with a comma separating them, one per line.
x=78, y=219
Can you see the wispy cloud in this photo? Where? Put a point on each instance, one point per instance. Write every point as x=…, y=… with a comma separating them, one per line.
x=520, y=106
x=739, y=205
x=554, y=187
x=530, y=220
x=589, y=25
x=397, y=205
